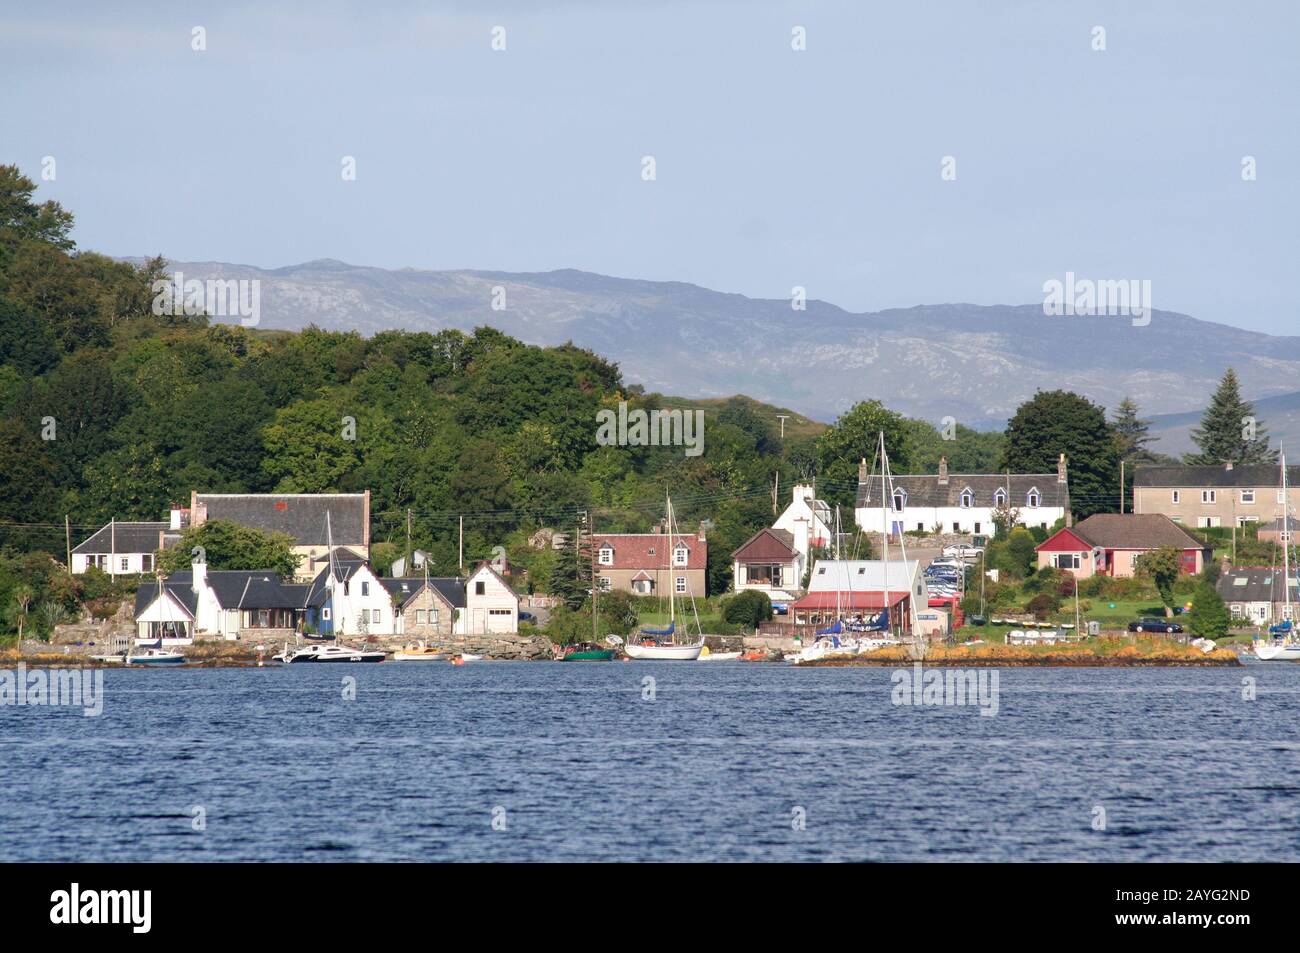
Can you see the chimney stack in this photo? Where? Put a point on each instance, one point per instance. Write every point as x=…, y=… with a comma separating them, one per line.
x=199, y=573
x=1227, y=464
x=862, y=470
x=943, y=471
x=1061, y=470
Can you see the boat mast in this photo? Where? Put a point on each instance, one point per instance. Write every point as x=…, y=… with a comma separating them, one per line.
x=884, y=526
x=1286, y=543
x=672, y=603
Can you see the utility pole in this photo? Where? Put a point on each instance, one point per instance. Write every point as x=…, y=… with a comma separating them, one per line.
x=408, y=539
x=782, y=418
x=460, y=550
x=67, y=538
x=1121, y=488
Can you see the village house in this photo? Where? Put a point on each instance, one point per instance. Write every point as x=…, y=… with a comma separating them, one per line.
x=123, y=548
x=768, y=562
x=1276, y=533
x=356, y=601
x=650, y=563
x=858, y=589
x=300, y=516
x=1255, y=593
x=1208, y=496
x=1110, y=543
x=810, y=523
x=961, y=502
x=221, y=604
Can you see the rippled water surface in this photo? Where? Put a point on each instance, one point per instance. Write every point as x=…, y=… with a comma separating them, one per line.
x=575, y=763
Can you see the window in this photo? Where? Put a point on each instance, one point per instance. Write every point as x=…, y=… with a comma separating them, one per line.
x=977, y=527
x=1177, y=497
x=680, y=556
x=1248, y=496
x=498, y=612
x=374, y=616
x=325, y=614
x=1034, y=498
x=1209, y=496
x=125, y=563
x=900, y=500
x=956, y=527
x=821, y=570
x=1000, y=497
x=1176, y=519
x=420, y=616
x=1206, y=522
x=681, y=583
x=1247, y=520
x=606, y=556
x=1066, y=560
x=920, y=527
x=146, y=562
x=967, y=499
x=603, y=583
x=365, y=588
x=480, y=588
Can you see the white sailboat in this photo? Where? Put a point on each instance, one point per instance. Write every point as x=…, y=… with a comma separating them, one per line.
x=662, y=644
x=1282, y=644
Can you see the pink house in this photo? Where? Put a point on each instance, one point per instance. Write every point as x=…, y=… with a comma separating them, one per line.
x=1110, y=543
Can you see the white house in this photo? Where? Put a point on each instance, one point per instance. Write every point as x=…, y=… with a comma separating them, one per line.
x=222, y=604
x=961, y=502
x=768, y=562
x=490, y=604
x=350, y=600
x=123, y=548
x=809, y=521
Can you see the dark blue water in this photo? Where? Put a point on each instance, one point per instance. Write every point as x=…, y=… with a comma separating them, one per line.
x=579, y=767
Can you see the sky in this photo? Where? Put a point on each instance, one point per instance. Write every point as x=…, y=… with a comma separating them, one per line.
x=774, y=167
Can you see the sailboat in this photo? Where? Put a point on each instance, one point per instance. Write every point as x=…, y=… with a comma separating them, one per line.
x=328, y=653
x=154, y=653
x=1282, y=644
x=662, y=643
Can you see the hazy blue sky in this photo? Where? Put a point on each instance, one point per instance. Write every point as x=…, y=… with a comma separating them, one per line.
x=775, y=168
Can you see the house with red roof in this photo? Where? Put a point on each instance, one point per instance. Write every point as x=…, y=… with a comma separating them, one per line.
x=1109, y=544
x=648, y=564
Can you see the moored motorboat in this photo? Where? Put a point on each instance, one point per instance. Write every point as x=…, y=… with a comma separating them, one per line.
x=586, y=652
x=421, y=652
x=327, y=653
x=155, y=657
x=719, y=656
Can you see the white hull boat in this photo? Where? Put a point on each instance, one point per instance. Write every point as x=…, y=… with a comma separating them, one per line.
x=720, y=657
x=155, y=657
x=676, y=653
x=1268, y=650
x=327, y=653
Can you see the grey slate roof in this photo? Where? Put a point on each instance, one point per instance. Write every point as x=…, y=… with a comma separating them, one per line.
x=299, y=515
x=403, y=588
x=924, y=489
x=124, y=538
x=1253, y=475
x=243, y=589
x=184, y=594
x=1255, y=584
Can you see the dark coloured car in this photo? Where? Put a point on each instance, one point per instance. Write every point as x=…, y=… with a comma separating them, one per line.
x=1154, y=625
x=527, y=617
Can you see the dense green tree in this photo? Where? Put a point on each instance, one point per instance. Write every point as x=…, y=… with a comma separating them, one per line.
x=747, y=608
x=1132, y=433
x=1209, y=617
x=1163, y=566
x=23, y=218
x=966, y=450
x=1058, y=422
x=569, y=581
x=1229, y=430
x=225, y=545
x=856, y=436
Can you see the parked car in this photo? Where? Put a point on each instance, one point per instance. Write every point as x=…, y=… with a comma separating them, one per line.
x=963, y=551
x=951, y=561
x=527, y=617
x=1154, y=625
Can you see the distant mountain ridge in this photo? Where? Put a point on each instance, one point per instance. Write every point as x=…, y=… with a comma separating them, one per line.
x=971, y=362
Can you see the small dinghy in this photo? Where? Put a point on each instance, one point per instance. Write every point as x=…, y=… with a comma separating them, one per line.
x=421, y=652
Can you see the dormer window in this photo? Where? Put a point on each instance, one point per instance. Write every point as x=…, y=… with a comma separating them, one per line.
x=1034, y=498
x=1000, y=497
x=680, y=556
x=606, y=556
x=900, y=500
x=967, y=498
